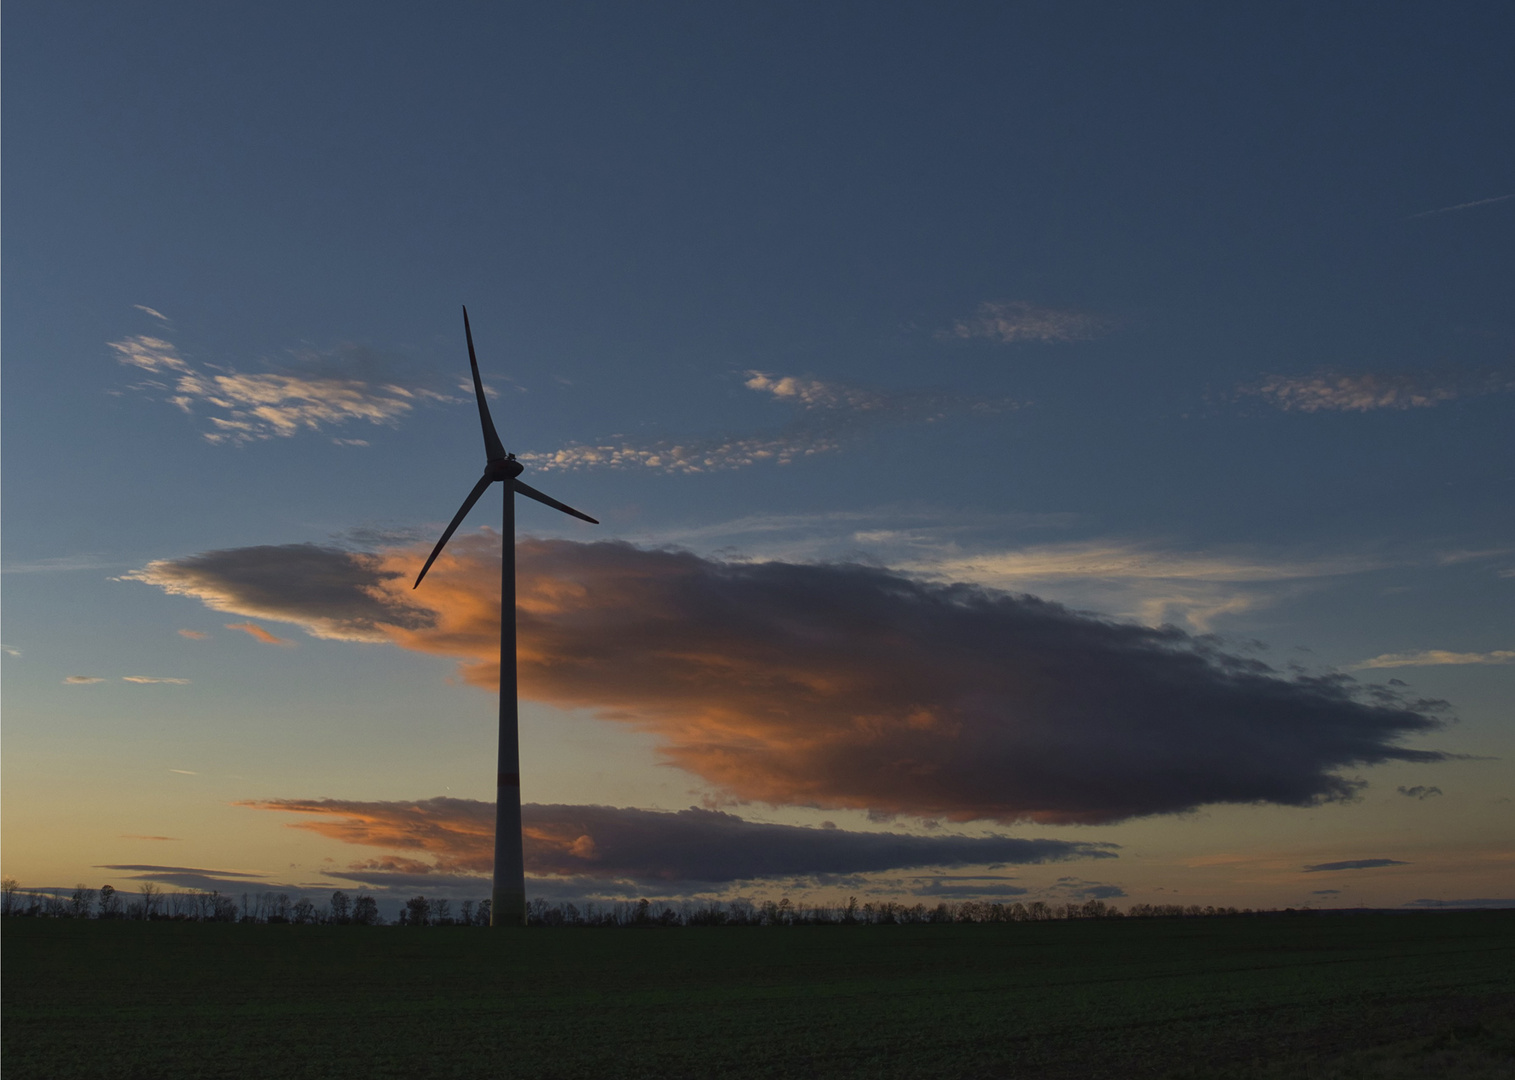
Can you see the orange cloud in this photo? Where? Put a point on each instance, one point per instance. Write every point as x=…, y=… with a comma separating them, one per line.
x=845, y=686
x=445, y=837
x=261, y=634
x=458, y=834
x=194, y=635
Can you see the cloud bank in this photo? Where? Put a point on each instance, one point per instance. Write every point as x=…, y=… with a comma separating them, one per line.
x=846, y=686
x=831, y=415
x=450, y=837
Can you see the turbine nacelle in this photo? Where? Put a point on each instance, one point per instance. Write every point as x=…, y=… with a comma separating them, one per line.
x=508, y=469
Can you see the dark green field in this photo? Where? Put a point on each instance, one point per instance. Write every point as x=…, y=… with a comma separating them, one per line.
x=1363, y=995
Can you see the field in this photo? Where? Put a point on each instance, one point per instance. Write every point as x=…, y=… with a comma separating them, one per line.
x=1424, y=995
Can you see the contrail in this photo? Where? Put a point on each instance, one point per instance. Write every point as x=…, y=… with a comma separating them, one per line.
x=1462, y=206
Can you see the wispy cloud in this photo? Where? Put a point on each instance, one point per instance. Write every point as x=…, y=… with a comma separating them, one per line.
x=149, y=353
x=1462, y=206
x=456, y=836
x=8, y=651
x=1354, y=864
x=243, y=408
x=82, y=680
x=194, y=635
x=139, y=836
x=1437, y=658
x=1009, y=321
x=151, y=311
x=1152, y=580
x=254, y=630
x=1365, y=392
x=849, y=686
x=1419, y=791
x=832, y=414
x=184, y=772
x=1153, y=583
x=154, y=679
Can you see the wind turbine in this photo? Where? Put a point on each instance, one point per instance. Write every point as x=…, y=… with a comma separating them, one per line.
x=508, y=894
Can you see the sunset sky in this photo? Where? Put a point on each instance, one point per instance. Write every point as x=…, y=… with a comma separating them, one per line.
x=1044, y=450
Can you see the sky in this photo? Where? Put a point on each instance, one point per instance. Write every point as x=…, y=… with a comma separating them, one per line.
x=1044, y=451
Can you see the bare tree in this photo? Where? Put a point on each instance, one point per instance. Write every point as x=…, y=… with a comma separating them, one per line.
x=10, y=889
x=152, y=899
x=341, y=907
x=303, y=911
x=442, y=913
x=81, y=902
x=465, y=913
x=222, y=908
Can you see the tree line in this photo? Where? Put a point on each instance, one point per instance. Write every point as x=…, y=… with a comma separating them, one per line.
x=785, y=912
x=151, y=902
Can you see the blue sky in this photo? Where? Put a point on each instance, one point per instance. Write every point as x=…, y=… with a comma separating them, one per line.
x=1172, y=314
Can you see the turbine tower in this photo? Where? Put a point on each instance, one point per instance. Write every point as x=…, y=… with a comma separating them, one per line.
x=508, y=895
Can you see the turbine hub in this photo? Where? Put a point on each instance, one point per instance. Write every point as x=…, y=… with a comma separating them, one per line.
x=507, y=468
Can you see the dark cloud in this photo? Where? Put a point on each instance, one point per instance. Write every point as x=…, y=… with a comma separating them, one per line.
x=187, y=877
x=1354, y=864
x=708, y=845
x=969, y=887
x=456, y=836
x=1325, y=892
x=1507, y=902
x=331, y=592
x=1419, y=791
x=850, y=686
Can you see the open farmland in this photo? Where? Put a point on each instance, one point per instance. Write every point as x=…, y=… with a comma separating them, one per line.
x=1133, y=997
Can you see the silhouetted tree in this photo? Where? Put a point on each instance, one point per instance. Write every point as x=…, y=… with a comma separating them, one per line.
x=417, y=911
x=110, y=903
x=303, y=911
x=10, y=891
x=341, y=907
x=365, y=911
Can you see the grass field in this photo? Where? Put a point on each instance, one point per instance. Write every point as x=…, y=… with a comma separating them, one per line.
x=1427, y=995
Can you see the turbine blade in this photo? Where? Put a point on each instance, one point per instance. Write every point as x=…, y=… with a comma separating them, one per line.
x=452, y=527
x=532, y=493
x=492, y=449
